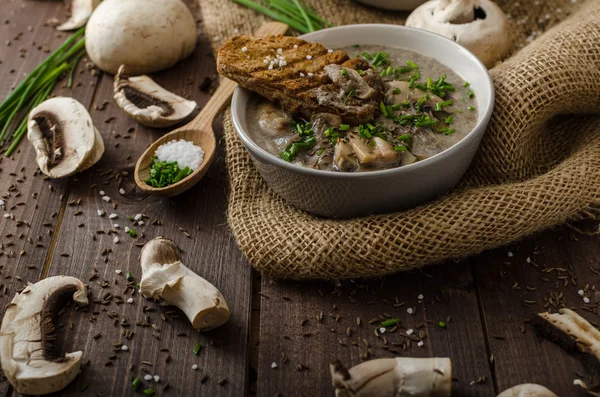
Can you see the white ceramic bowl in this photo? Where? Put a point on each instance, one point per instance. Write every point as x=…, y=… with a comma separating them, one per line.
x=398, y=5
x=341, y=194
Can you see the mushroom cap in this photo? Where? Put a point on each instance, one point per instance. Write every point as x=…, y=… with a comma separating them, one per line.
x=146, y=36
x=527, y=390
x=64, y=137
x=26, y=353
x=147, y=102
x=488, y=38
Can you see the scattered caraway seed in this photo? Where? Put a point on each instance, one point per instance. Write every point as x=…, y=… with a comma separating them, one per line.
x=222, y=381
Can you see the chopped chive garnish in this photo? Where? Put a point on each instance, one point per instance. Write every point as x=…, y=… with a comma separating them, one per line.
x=356, y=45
x=448, y=131
x=399, y=148
x=136, y=383
x=471, y=108
x=442, y=324
x=389, y=71
x=383, y=109
x=421, y=87
x=411, y=84
x=396, y=91
x=349, y=95
x=449, y=120
x=163, y=173
x=367, y=56
x=404, y=137
x=320, y=152
x=344, y=127
x=447, y=103
x=128, y=277
x=412, y=64
x=470, y=94
x=404, y=69
x=466, y=84
x=149, y=392
x=197, y=348
x=395, y=106
x=405, y=104
x=382, y=73
x=389, y=322
x=344, y=72
x=132, y=232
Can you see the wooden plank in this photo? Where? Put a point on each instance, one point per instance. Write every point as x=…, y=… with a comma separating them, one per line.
x=507, y=278
x=28, y=196
x=210, y=251
x=447, y=291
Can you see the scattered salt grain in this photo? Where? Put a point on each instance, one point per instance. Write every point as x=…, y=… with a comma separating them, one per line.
x=274, y=365
x=130, y=300
x=409, y=331
x=7, y=215
x=138, y=217
x=126, y=229
x=140, y=223
x=106, y=198
x=580, y=292
x=409, y=310
x=195, y=367
x=118, y=271
x=420, y=297
x=295, y=46
x=309, y=57
x=421, y=343
x=510, y=254
x=244, y=49
x=124, y=348
x=100, y=213
x=121, y=191
x=586, y=300
x=309, y=74
x=116, y=226
x=382, y=330
x=148, y=377
x=301, y=74
x=279, y=51
x=156, y=378
x=112, y=216
x=2, y=202
x=116, y=240
x=102, y=193
x=330, y=51
x=528, y=260
x=184, y=152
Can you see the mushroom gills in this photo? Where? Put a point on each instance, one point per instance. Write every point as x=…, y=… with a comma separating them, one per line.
x=64, y=137
x=147, y=102
x=27, y=335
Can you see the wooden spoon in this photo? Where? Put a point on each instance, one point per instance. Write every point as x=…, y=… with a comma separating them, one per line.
x=199, y=131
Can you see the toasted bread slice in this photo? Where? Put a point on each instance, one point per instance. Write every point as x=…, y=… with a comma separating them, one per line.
x=304, y=78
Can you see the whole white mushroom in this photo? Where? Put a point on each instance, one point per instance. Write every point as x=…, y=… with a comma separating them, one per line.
x=478, y=25
x=144, y=35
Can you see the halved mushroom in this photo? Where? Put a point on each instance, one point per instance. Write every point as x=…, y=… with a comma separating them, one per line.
x=81, y=10
x=527, y=390
x=64, y=137
x=273, y=120
x=381, y=152
x=27, y=334
x=147, y=102
x=164, y=276
x=394, y=377
x=479, y=25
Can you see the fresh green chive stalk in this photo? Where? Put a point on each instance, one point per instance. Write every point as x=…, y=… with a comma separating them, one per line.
x=36, y=87
x=197, y=348
x=390, y=322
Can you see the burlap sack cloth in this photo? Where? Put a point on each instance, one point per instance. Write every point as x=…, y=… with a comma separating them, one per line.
x=538, y=166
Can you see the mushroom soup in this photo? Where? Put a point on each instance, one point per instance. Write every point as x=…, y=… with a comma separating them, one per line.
x=426, y=109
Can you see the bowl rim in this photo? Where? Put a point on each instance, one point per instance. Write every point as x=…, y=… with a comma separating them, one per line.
x=261, y=153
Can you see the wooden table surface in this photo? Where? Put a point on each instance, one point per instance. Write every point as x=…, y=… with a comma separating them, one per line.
x=282, y=335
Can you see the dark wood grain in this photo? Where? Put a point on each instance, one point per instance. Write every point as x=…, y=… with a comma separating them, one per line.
x=520, y=355
x=447, y=292
x=28, y=196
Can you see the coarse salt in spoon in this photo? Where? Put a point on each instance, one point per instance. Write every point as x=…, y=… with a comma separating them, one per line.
x=198, y=131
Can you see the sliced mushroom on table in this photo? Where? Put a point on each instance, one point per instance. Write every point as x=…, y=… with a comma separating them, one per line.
x=27, y=354
x=147, y=102
x=64, y=137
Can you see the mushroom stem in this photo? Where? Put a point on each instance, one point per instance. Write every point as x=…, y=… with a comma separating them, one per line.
x=165, y=276
x=527, y=390
x=394, y=377
x=570, y=330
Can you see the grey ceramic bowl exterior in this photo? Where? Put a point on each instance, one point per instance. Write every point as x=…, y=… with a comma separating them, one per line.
x=399, y=5
x=343, y=195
